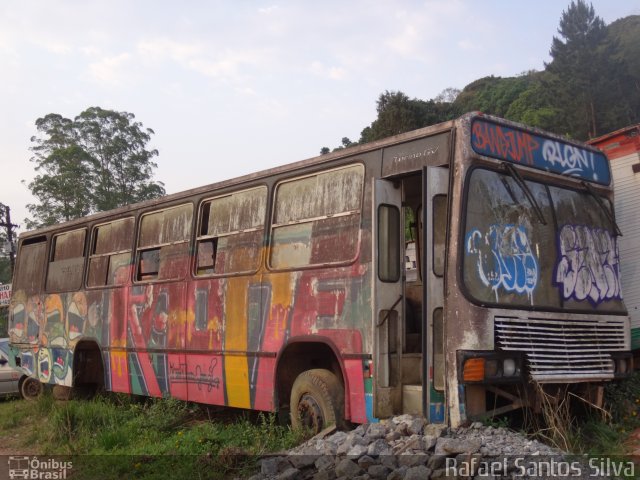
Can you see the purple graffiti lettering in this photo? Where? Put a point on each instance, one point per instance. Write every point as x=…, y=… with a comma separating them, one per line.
x=588, y=264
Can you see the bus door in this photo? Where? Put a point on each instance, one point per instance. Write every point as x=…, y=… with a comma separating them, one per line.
x=435, y=182
x=387, y=296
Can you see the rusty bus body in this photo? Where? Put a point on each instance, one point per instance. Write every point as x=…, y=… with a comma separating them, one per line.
x=285, y=289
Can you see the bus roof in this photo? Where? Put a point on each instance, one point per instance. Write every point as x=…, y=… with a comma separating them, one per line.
x=317, y=161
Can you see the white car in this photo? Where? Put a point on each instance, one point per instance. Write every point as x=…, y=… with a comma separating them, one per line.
x=13, y=381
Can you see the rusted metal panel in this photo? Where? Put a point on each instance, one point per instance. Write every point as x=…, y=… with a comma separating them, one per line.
x=412, y=156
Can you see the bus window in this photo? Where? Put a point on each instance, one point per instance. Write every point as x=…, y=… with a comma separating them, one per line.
x=231, y=232
x=317, y=219
x=66, y=262
x=439, y=233
x=163, y=244
x=110, y=253
x=30, y=265
x=388, y=243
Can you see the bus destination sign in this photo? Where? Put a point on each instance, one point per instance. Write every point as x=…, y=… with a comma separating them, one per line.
x=527, y=148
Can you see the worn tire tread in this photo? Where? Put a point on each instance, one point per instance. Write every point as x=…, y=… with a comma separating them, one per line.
x=327, y=387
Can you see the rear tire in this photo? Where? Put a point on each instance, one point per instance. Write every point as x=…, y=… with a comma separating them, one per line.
x=30, y=388
x=317, y=401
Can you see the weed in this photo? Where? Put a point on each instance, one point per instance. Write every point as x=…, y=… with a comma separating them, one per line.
x=496, y=422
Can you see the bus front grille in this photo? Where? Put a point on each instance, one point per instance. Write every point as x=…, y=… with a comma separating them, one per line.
x=563, y=350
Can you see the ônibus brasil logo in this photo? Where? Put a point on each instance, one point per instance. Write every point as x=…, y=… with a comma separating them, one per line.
x=36, y=468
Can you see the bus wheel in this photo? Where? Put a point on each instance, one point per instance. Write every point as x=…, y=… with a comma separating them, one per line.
x=30, y=388
x=317, y=401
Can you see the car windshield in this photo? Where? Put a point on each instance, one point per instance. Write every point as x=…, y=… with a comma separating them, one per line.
x=532, y=245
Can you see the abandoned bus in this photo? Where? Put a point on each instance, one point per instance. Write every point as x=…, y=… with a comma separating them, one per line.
x=286, y=290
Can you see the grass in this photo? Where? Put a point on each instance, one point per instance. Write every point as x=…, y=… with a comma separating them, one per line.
x=609, y=434
x=602, y=434
x=119, y=437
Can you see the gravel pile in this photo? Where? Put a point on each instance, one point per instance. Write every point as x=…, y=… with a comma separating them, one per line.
x=405, y=447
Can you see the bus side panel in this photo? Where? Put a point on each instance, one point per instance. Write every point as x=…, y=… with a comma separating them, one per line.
x=332, y=304
x=27, y=316
x=236, y=365
x=204, y=342
x=106, y=309
x=156, y=323
x=356, y=390
x=265, y=383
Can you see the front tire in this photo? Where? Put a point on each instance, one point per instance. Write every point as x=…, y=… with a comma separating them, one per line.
x=30, y=388
x=317, y=401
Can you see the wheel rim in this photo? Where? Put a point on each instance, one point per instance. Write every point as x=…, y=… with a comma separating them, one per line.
x=310, y=413
x=31, y=388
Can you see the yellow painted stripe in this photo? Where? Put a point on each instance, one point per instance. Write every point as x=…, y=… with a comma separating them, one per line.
x=236, y=369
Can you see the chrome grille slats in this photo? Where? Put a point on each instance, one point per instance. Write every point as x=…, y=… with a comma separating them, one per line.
x=563, y=350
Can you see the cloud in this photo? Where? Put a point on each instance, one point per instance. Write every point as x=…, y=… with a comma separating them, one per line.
x=57, y=47
x=332, y=73
x=407, y=42
x=206, y=59
x=111, y=70
x=469, y=46
x=268, y=10
x=161, y=48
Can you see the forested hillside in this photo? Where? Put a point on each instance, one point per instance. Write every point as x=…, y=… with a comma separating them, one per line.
x=590, y=87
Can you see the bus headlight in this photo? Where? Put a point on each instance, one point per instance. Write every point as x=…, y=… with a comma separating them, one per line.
x=489, y=367
x=509, y=367
x=622, y=363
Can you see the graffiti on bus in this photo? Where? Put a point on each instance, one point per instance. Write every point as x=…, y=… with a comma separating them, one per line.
x=212, y=340
x=589, y=264
x=505, y=260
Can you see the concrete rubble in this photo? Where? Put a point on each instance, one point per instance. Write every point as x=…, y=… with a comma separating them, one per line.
x=405, y=447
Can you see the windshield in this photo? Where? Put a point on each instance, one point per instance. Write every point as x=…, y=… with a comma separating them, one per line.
x=548, y=248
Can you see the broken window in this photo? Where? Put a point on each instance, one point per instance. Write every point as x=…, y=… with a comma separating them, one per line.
x=317, y=219
x=163, y=244
x=231, y=232
x=110, y=254
x=66, y=261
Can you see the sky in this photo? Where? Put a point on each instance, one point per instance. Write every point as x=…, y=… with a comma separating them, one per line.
x=237, y=86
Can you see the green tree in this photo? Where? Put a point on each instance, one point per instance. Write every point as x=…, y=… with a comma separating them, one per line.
x=121, y=165
x=95, y=162
x=61, y=185
x=535, y=105
x=397, y=113
x=585, y=66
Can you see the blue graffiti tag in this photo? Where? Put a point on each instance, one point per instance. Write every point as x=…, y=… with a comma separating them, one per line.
x=588, y=264
x=504, y=258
